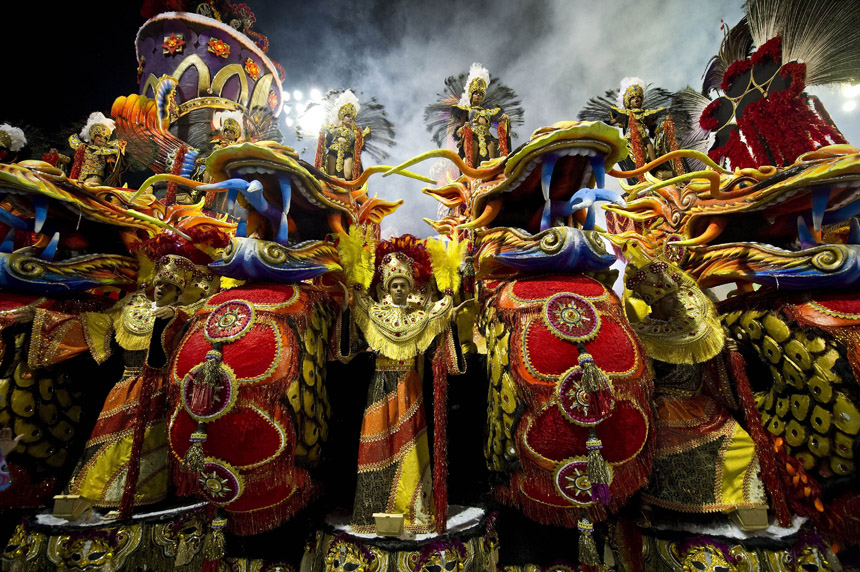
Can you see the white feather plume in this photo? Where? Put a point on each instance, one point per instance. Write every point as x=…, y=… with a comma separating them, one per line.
x=17, y=136
x=476, y=70
x=221, y=116
x=96, y=118
x=344, y=98
x=626, y=83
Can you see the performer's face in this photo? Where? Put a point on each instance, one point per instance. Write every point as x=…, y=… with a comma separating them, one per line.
x=636, y=102
x=165, y=294
x=399, y=289
x=477, y=98
x=98, y=140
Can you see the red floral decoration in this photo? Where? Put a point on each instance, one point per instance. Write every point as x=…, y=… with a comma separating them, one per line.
x=740, y=67
x=770, y=50
x=411, y=247
x=173, y=44
x=252, y=69
x=219, y=47
x=708, y=121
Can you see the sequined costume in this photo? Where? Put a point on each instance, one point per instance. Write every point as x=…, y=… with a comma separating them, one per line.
x=394, y=473
x=101, y=475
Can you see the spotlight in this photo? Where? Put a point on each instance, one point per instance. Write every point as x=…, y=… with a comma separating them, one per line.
x=849, y=105
x=287, y=109
x=315, y=94
x=297, y=95
x=850, y=91
x=286, y=96
x=289, y=121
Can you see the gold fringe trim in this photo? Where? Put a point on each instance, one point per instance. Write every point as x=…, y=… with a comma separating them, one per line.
x=378, y=341
x=680, y=351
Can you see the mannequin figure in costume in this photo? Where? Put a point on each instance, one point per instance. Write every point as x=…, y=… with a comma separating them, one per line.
x=474, y=139
x=343, y=140
x=125, y=460
x=394, y=472
x=97, y=158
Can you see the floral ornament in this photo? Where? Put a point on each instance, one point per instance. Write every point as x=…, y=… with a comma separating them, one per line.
x=252, y=69
x=173, y=44
x=229, y=322
x=220, y=482
x=273, y=100
x=575, y=400
x=218, y=47
x=571, y=317
x=572, y=483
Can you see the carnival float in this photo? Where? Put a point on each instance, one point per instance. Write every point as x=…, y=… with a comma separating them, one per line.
x=183, y=363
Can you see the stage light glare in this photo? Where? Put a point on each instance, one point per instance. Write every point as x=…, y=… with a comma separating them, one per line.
x=851, y=91
x=316, y=94
x=286, y=96
x=289, y=121
x=849, y=106
x=297, y=95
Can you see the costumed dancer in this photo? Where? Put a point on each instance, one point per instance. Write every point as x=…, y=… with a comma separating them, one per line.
x=342, y=140
x=125, y=460
x=705, y=462
x=474, y=139
x=399, y=324
x=97, y=158
x=467, y=109
x=12, y=140
x=351, y=130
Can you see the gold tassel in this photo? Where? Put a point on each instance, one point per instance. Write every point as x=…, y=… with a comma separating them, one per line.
x=597, y=469
x=588, y=555
x=194, y=457
x=595, y=383
x=213, y=545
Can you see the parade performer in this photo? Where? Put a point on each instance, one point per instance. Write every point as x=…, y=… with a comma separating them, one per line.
x=125, y=460
x=344, y=139
x=469, y=106
x=97, y=158
x=394, y=474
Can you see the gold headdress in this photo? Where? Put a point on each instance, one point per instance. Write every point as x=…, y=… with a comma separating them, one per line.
x=631, y=87
x=173, y=269
x=345, y=103
x=97, y=124
x=478, y=80
x=396, y=265
x=228, y=122
x=686, y=329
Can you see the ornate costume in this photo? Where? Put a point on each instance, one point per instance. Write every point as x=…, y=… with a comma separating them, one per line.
x=394, y=473
x=479, y=119
x=130, y=435
x=12, y=140
x=342, y=139
x=96, y=158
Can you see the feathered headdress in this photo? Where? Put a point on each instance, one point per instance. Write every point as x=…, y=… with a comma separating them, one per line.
x=347, y=100
x=97, y=122
x=12, y=138
x=221, y=117
x=630, y=86
x=478, y=80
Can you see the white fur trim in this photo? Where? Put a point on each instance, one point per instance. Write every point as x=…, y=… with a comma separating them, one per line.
x=17, y=136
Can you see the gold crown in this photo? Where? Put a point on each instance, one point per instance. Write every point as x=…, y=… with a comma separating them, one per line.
x=478, y=84
x=205, y=281
x=232, y=126
x=99, y=129
x=173, y=269
x=347, y=109
x=631, y=92
x=396, y=265
x=654, y=281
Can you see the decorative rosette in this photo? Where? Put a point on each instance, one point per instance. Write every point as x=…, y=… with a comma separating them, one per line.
x=220, y=482
x=229, y=322
x=224, y=391
x=571, y=317
x=572, y=482
x=575, y=401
